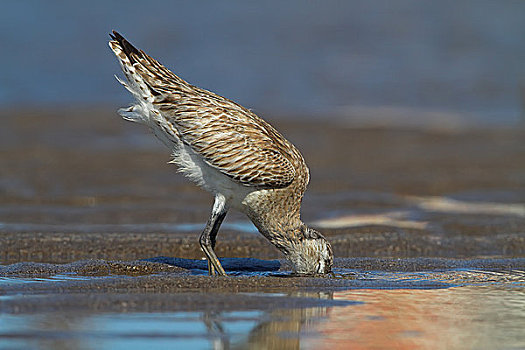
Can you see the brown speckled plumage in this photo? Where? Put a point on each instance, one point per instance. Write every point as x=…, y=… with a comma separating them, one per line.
x=231, y=152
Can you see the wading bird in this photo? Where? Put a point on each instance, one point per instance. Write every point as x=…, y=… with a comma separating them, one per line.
x=229, y=151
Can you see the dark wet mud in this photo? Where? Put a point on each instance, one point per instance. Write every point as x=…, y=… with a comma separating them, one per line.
x=185, y=280
x=99, y=242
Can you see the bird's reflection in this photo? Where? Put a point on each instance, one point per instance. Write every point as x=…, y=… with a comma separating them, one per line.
x=216, y=332
x=276, y=329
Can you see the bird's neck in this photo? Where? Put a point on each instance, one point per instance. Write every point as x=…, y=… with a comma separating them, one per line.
x=276, y=214
x=284, y=232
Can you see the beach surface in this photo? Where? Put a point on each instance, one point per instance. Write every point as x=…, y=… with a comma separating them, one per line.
x=99, y=240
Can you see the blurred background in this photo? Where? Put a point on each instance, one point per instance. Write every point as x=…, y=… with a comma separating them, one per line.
x=401, y=110
x=402, y=62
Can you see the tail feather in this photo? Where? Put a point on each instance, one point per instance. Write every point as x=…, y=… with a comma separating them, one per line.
x=154, y=74
x=148, y=80
x=126, y=46
x=135, y=83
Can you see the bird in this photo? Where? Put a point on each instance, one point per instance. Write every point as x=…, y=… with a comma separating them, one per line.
x=226, y=149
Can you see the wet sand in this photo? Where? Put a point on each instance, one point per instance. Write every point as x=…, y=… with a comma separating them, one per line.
x=93, y=220
x=155, y=285
x=84, y=185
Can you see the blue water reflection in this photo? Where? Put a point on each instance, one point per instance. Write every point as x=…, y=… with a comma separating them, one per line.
x=472, y=309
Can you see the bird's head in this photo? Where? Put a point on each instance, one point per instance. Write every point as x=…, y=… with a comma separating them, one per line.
x=311, y=254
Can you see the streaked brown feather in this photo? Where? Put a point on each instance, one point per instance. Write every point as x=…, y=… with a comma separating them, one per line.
x=229, y=137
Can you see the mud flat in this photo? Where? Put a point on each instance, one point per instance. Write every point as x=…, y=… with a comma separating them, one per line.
x=171, y=301
x=83, y=184
x=99, y=241
x=182, y=284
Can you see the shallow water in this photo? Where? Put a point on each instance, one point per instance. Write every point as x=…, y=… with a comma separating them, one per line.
x=452, y=309
x=188, y=330
x=466, y=317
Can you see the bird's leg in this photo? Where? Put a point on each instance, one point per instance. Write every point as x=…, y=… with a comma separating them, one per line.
x=213, y=236
x=207, y=239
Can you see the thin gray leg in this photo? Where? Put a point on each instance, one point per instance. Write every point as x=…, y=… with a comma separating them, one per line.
x=208, y=237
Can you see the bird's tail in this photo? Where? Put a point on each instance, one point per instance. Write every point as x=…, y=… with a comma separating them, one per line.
x=152, y=84
x=127, y=56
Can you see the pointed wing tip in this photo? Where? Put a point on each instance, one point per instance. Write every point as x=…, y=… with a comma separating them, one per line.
x=126, y=46
x=116, y=35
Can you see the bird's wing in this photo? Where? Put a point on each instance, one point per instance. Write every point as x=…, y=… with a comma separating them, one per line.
x=246, y=152
x=229, y=137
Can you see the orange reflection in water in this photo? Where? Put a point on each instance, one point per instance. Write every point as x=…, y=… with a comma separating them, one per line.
x=454, y=318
